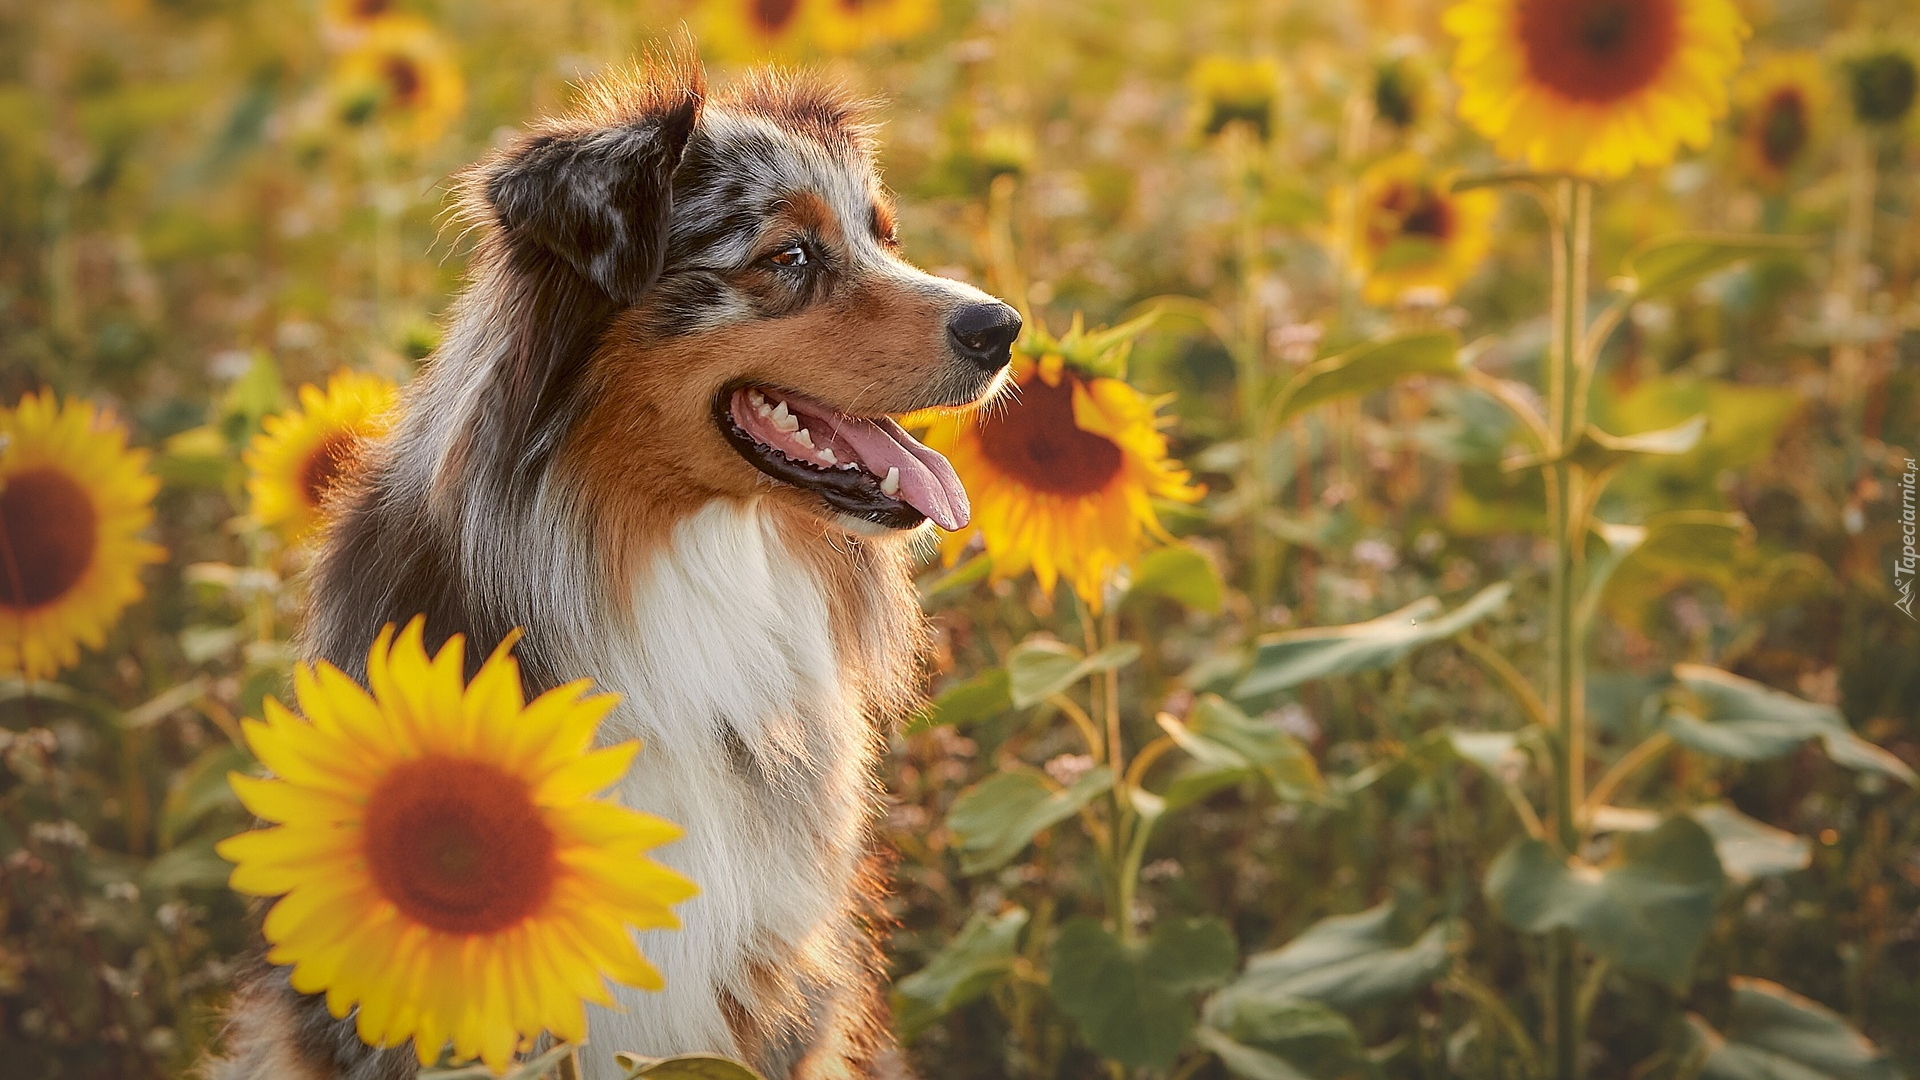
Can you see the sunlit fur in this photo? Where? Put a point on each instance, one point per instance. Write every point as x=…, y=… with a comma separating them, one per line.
x=557, y=467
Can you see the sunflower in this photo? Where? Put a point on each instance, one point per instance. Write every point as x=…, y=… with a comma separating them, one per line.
x=1228, y=90
x=846, y=25
x=1594, y=87
x=401, y=72
x=1062, y=472
x=1411, y=230
x=1781, y=105
x=73, y=499
x=754, y=28
x=298, y=457
x=1882, y=85
x=346, y=20
x=440, y=862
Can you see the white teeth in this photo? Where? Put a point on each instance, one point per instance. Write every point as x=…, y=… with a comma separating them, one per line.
x=757, y=398
x=826, y=455
x=784, y=420
x=891, y=485
x=804, y=438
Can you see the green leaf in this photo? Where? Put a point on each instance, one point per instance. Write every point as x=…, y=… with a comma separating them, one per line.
x=1648, y=911
x=201, y=788
x=971, y=963
x=1596, y=451
x=192, y=865
x=1179, y=573
x=1041, y=668
x=1131, y=1001
x=1749, y=849
x=1748, y=721
x=683, y=1067
x=1264, y=1036
x=1346, y=961
x=1297, y=656
x=967, y=573
x=963, y=703
x=1775, y=1034
x=1228, y=746
x=995, y=819
x=1367, y=367
x=1667, y=264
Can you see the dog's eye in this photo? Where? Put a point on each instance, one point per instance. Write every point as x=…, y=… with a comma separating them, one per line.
x=791, y=256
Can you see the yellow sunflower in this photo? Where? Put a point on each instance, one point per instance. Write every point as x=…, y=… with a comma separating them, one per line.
x=847, y=25
x=1412, y=231
x=754, y=28
x=1781, y=106
x=440, y=862
x=1062, y=473
x=73, y=500
x=298, y=457
x=401, y=73
x=346, y=20
x=1594, y=87
x=1227, y=90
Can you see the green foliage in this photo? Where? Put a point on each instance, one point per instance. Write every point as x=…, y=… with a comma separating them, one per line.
x=960, y=973
x=1647, y=910
x=1739, y=718
x=1286, y=660
x=1131, y=1001
x=1775, y=1034
x=1349, y=961
x=996, y=818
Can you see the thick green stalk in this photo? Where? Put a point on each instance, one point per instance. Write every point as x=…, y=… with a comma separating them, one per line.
x=1566, y=499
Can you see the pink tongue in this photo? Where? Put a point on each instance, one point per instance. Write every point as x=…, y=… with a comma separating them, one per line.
x=927, y=482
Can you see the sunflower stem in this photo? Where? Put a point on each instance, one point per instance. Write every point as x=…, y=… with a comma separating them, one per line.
x=1567, y=509
x=569, y=1066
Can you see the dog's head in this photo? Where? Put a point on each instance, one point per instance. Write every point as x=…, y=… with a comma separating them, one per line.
x=757, y=325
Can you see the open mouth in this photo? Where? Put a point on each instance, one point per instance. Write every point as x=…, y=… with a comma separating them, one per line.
x=864, y=466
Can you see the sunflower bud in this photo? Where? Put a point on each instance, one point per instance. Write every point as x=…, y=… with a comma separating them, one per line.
x=1882, y=84
x=1400, y=92
x=1233, y=91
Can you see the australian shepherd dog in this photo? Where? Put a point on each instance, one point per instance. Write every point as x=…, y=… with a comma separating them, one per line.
x=658, y=436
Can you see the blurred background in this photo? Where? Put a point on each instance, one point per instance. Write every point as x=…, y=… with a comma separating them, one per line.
x=205, y=204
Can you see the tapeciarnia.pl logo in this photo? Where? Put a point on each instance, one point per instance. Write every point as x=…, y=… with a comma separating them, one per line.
x=1908, y=560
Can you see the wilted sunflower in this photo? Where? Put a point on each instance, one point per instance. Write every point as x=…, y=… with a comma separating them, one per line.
x=1781, y=105
x=1411, y=230
x=1594, y=87
x=401, y=73
x=439, y=858
x=1062, y=473
x=299, y=456
x=1229, y=90
x=73, y=499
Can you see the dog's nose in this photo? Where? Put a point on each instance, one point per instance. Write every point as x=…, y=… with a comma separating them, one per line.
x=984, y=333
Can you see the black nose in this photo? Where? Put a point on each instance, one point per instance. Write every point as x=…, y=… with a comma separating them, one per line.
x=984, y=333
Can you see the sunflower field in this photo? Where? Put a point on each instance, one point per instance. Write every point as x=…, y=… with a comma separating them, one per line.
x=1440, y=602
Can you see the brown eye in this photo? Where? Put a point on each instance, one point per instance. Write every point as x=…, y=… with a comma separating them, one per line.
x=793, y=255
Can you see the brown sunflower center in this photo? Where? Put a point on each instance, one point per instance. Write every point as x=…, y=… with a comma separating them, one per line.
x=323, y=467
x=1783, y=127
x=48, y=533
x=458, y=845
x=404, y=80
x=1034, y=440
x=1598, y=50
x=368, y=9
x=771, y=17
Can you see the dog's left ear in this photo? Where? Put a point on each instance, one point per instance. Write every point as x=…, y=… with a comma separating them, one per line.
x=599, y=199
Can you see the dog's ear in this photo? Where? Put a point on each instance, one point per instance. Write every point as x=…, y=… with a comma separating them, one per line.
x=600, y=198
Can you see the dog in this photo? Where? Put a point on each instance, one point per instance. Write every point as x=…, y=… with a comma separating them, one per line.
x=658, y=437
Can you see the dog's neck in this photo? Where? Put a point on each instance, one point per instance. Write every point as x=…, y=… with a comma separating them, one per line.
x=753, y=656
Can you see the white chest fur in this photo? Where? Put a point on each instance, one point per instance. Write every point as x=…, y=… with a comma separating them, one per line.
x=755, y=745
